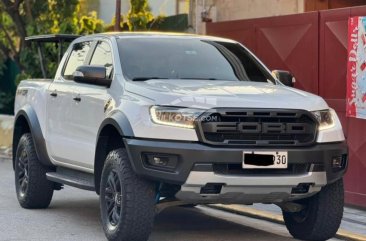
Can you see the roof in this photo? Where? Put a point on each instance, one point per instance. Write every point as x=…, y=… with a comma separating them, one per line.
x=55, y=38
x=154, y=34
x=147, y=33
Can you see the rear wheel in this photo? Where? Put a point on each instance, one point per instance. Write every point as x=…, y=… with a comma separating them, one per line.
x=321, y=216
x=127, y=201
x=32, y=187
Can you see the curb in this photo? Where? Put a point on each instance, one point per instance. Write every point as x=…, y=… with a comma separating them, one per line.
x=6, y=130
x=5, y=157
x=275, y=218
x=5, y=152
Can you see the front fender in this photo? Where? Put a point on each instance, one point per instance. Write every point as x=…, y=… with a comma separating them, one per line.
x=115, y=122
x=120, y=121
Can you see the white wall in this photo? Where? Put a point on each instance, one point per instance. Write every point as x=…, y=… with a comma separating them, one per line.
x=107, y=9
x=163, y=7
x=244, y=9
x=158, y=7
x=226, y=10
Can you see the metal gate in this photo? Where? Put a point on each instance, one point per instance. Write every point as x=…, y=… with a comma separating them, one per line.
x=313, y=46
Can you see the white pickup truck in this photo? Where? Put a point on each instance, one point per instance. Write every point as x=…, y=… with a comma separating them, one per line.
x=150, y=120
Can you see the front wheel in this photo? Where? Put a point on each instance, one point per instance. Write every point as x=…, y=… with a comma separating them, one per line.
x=127, y=201
x=321, y=216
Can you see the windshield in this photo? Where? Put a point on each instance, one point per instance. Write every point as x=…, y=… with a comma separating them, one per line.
x=170, y=58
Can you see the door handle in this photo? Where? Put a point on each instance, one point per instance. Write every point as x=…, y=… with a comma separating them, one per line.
x=78, y=99
x=53, y=94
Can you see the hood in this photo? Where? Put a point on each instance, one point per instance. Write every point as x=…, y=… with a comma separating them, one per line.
x=213, y=93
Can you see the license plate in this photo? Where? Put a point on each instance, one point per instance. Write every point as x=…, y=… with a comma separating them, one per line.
x=265, y=160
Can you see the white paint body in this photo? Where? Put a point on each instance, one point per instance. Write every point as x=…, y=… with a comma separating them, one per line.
x=70, y=128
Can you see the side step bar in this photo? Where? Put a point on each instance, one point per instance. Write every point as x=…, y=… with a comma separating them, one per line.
x=72, y=178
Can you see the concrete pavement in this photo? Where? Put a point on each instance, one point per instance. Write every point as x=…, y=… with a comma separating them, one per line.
x=353, y=226
x=74, y=215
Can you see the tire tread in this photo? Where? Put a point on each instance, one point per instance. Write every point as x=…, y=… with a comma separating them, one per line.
x=324, y=217
x=40, y=190
x=138, y=201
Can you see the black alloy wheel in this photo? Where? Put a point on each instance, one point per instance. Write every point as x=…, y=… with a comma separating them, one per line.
x=113, y=199
x=23, y=173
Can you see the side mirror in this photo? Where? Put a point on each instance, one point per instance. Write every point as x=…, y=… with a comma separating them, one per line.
x=89, y=74
x=285, y=77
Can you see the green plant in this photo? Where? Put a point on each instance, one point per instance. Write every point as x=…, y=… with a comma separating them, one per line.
x=139, y=15
x=6, y=103
x=22, y=18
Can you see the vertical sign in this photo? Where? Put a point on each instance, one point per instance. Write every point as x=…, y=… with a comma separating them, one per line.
x=356, y=68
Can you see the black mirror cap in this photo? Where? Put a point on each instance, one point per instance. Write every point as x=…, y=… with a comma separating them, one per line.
x=92, y=74
x=285, y=77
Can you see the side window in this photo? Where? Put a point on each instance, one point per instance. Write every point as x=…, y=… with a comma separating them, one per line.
x=76, y=59
x=103, y=56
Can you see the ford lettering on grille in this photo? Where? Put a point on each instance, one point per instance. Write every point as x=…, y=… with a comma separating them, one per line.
x=290, y=128
x=258, y=127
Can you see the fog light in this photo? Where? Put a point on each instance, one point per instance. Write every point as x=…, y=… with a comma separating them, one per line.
x=337, y=162
x=160, y=161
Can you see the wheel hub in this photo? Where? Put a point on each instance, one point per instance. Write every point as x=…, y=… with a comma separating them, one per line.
x=113, y=198
x=117, y=198
x=23, y=177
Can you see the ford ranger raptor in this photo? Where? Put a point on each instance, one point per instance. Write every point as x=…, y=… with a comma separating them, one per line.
x=150, y=120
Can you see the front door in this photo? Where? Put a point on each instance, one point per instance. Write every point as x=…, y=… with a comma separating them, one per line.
x=87, y=114
x=88, y=110
x=60, y=139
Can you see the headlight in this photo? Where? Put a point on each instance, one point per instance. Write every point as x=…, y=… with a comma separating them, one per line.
x=325, y=118
x=175, y=116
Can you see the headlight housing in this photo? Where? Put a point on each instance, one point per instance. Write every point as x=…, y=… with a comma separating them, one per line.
x=325, y=119
x=175, y=116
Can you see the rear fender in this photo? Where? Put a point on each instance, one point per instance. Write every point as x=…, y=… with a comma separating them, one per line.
x=26, y=120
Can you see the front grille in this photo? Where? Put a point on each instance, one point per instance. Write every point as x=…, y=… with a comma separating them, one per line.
x=257, y=127
x=237, y=169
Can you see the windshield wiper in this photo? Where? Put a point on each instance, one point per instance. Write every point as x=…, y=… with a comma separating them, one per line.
x=146, y=78
x=200, y=78
x=149, y=78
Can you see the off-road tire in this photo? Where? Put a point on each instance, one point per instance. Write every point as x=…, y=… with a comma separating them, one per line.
x=136, y=207
x=322, y=216
x=33, y=189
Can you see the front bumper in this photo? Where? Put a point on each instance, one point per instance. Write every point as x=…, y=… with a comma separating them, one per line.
x=193, y=156
x=214, y=175
x=249, y=190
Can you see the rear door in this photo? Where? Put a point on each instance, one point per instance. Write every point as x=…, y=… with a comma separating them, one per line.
x=60, y=139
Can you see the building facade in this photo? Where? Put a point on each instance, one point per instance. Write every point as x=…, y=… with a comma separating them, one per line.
x=226, y=10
